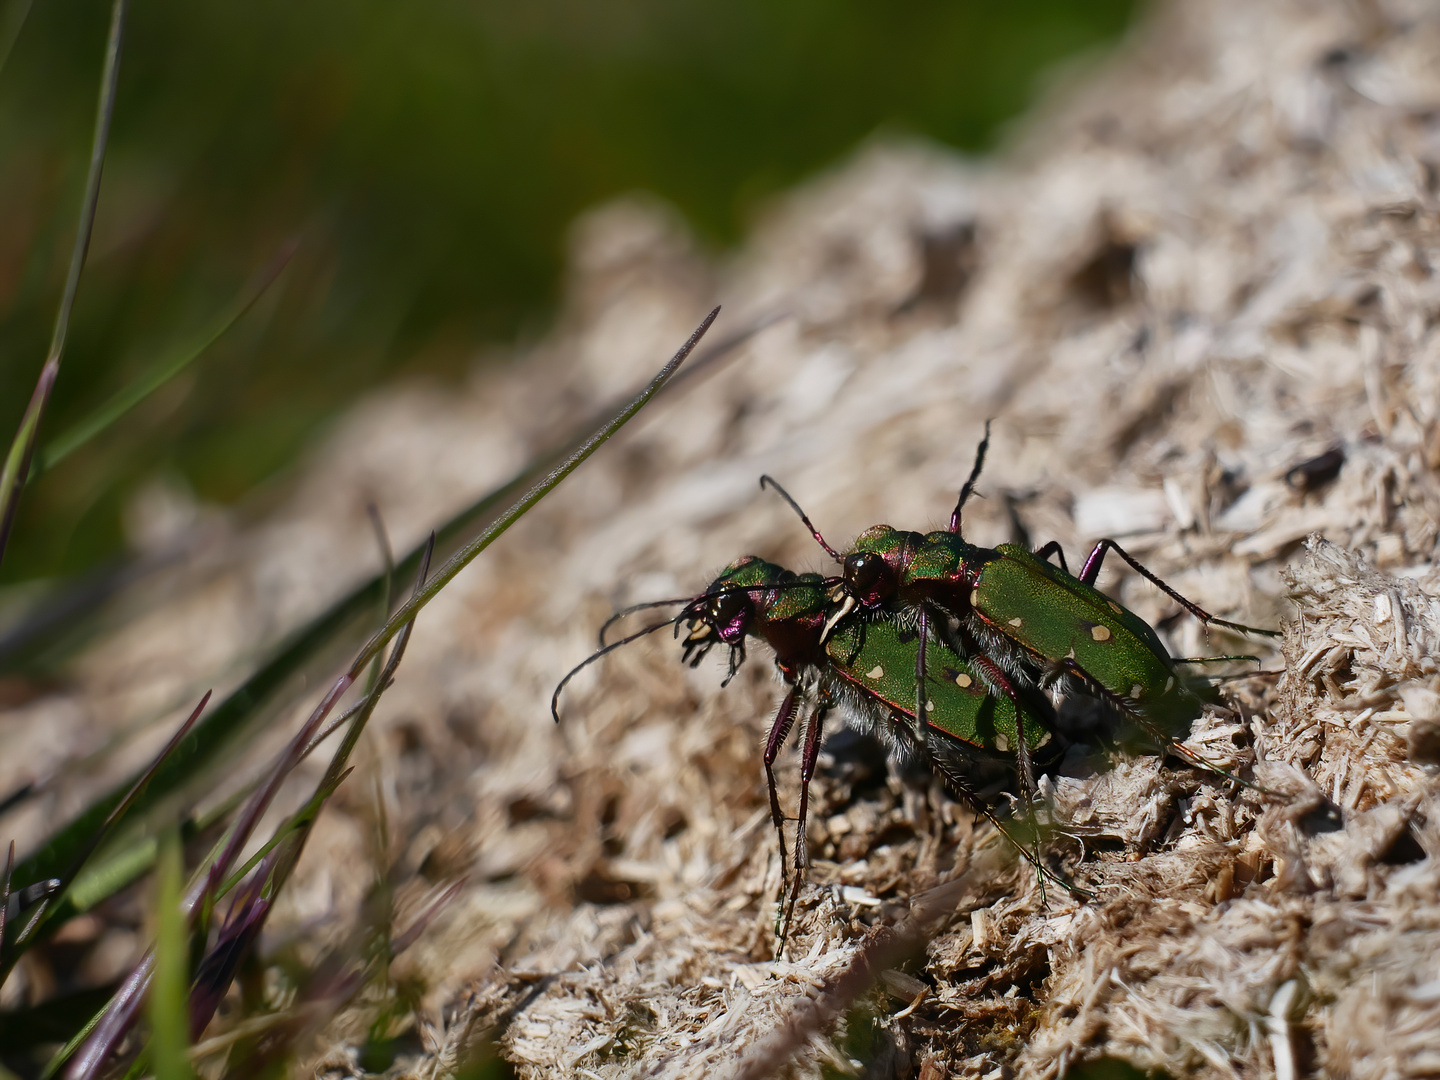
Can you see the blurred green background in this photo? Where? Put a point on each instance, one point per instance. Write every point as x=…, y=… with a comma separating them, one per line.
x=428, y=156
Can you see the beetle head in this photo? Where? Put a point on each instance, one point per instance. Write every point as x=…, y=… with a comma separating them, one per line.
x=869, y=572
x=725, y=611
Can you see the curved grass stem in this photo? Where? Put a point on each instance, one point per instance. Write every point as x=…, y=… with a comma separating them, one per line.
x=518, y=509
x=22, y=448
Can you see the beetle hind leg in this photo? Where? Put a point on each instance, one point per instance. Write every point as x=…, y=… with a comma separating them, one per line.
x=1164, y=739
x=954, y=778
x=779, y=731
x=1091, y=571
x=810, y=754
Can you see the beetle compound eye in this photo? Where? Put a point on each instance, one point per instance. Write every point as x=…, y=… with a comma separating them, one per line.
x=867, y=574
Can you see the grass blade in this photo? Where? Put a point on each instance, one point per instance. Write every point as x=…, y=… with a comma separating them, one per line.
x=169, y=1008
x=76, y=436
x=93, y=1044
x=280, y=855
x=465, y=555
x=115, y=1020
x=22, y=449
x=213, y=736
x=5, y=891
x=98, y=837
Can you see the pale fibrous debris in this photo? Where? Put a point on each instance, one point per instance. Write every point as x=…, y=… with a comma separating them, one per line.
x=1199, y=267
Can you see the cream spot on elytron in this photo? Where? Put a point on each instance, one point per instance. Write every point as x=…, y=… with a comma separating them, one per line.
x=1100, y=633
x=962, y=680
x=877, y=672
x=974, y=597
x=1044, y=738
x=1170, y=684
x=1002, y=743
x=1116, y=608
x=929, y=706
x=1136, y=690
x=1017, y=623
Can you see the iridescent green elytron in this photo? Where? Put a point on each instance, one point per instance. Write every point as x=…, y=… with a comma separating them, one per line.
x=1006, y=602
x=879, y=660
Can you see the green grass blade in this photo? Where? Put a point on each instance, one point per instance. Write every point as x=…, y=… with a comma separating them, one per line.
x=96, y=839
x=62, y=617
x=465, y=555
x=76, y=436
x=22, y=449
x=170, y=987
x=301, y=819
x=207, y=743
x=387, y=559
x=104, y=110
x=5, y=891
x=109, y=1026
x=26, y=1028
x=216, y=733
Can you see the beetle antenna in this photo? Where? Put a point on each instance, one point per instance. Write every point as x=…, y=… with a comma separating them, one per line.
x=625, y=612
x=769, y=481
x=969, y=486
x=555, y=697
x=824, y=583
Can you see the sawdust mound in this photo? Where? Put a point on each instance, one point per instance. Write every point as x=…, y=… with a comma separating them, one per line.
x=1198, y=297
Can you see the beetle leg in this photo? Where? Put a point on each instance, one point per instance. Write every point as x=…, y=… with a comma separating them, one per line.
x=1091, y=571
x=737, y=657
x=1163, y=738
x=809, y=755
x=996, y=679
x=779, y=730
x=960, y=787
x=922, y=722
x=969, y=485
x=1054, y=548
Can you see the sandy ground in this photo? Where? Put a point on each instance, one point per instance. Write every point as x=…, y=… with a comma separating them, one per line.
x=1195, y=272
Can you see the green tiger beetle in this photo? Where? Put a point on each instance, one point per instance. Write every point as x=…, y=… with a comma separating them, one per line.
x=1016, y=608
x=871, y=670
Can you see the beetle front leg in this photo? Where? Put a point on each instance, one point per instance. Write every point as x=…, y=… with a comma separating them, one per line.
x=959, y=786
x=779, y=731
x=996, y=680
x=922, y=724
x=1091, y=571
x=808, y=757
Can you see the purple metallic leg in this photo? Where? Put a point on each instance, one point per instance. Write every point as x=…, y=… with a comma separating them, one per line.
x=779, y=730
x=922, y=670
x=809, y=755
x=1052, y=548
x=996, y=679
x=1091, y=571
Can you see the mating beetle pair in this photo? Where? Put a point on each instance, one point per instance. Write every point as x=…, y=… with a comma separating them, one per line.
x=1007, y=607
x=942, y=648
